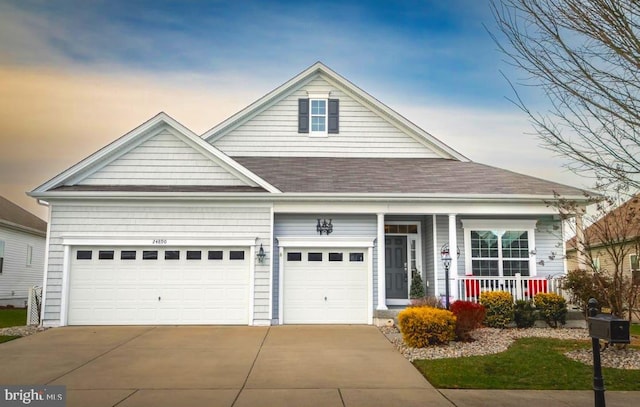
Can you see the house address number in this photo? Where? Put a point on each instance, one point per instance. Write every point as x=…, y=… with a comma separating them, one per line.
x=159, y=241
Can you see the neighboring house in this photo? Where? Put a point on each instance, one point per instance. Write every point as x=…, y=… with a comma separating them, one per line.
x=314, y=204
x=22, y=248
x=617, y=234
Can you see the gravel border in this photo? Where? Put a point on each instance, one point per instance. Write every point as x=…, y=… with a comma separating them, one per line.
x=490, y=341
x=24, y=330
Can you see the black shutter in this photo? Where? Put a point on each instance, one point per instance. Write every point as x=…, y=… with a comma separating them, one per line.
x=333, y=116
x=303, y=115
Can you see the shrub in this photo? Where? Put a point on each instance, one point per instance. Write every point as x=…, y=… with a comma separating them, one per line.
x=469, y=316
x=499, y=306
x=583, y=284
x=552, y=308
x=428, y=301
x=424, y=326
x=417, y=286
x=524, y=314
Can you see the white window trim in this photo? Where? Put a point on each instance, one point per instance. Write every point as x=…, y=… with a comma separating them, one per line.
x=319, y=96
x=499, y=227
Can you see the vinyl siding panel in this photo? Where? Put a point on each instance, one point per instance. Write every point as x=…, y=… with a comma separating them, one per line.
x=363, y=133
x=164, y=159
x=17, y=277
x=549, y=247
x=154, y=220
x=305, y=225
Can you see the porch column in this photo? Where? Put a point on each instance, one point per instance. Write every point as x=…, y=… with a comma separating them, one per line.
x=581, y=259
x=453, y=251
x=382, y=289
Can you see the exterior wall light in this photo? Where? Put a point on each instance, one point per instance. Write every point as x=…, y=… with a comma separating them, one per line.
x=261, y=254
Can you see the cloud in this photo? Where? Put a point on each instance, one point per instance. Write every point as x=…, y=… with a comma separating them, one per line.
x=51, y=119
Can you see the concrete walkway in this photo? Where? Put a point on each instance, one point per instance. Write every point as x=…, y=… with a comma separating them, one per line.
x=340, y=366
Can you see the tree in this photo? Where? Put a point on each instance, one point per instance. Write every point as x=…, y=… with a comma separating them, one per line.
x=417, y=286
x=585, y=55
x=601, y=255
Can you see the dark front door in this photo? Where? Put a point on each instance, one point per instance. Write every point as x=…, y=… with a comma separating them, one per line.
x=396, y=267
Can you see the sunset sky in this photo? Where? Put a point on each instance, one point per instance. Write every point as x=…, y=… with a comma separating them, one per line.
x=75, y=75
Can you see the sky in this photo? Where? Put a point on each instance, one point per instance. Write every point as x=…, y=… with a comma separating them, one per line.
x=76, y=75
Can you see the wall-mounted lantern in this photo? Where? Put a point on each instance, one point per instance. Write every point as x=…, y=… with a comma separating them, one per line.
x=261, y=254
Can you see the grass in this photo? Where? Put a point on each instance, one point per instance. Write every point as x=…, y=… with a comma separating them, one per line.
x=635, y=329
x=13, y=317
x=530, y=363
x=8, y=338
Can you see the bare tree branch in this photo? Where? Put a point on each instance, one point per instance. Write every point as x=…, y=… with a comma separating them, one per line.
x=585, y=56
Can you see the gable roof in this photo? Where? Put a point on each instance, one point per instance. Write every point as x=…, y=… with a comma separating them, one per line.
x=620, y=225
x=130, y=140
x=399, y=175
x=346, y=86
x=13, y=216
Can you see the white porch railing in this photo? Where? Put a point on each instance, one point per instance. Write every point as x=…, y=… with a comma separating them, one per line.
x=521, y=288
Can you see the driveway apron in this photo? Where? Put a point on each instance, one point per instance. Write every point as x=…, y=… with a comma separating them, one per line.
x=219, y=366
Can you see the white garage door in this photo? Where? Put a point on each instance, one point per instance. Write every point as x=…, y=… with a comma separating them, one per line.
x=122, y=286
x=327, y=286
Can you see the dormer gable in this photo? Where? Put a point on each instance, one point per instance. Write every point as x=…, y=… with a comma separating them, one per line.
x=319, y=113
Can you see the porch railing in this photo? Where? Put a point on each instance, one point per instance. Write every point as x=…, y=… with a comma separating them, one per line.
x=520, y=287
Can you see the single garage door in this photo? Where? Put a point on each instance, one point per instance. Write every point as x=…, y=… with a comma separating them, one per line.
x=169, y=285
x=325, y=286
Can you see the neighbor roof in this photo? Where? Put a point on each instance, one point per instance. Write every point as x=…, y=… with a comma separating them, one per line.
x=13, y=216
x=617, y=226
x=397, y=175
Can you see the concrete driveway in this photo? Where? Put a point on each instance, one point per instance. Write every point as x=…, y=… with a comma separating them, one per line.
x=219, y=366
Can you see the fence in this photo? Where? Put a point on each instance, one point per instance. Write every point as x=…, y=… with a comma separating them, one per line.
x=520, y=287
x=34, y=305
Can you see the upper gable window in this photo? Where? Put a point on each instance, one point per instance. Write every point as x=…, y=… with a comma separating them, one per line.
x=318, y=116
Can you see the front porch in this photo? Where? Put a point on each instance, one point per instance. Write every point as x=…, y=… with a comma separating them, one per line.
x=522, y=256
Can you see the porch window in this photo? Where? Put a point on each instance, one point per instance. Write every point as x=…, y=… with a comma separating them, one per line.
x=496, y=254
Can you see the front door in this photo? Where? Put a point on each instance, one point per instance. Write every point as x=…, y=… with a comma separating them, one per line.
x=396, y=267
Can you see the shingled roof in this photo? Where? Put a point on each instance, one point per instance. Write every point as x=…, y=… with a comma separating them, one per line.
x=397, y=175
x=13, y=216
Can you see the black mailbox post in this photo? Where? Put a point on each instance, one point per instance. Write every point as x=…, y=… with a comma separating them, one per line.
x=607, y=328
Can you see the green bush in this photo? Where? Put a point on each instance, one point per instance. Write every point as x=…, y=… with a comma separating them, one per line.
x=525, y=314
x=499, y=306
x=552, y=308
x=469, y=316
x=424, y=326
x=417, y=286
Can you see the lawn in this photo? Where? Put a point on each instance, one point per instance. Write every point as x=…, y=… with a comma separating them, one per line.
x=13, y=317
x=530, y=363
x=8, y=338
x=635, y=329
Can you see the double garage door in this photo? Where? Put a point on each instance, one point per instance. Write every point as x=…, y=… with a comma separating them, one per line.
x=325, y=286
x=152, y=285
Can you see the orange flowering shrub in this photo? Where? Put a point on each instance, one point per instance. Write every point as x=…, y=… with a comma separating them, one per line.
x=424, y=326
x=499, y=305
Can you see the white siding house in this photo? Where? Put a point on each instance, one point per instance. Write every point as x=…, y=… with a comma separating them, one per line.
x=315, y=204
x=22, y=248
